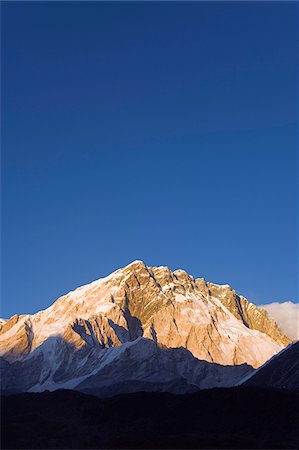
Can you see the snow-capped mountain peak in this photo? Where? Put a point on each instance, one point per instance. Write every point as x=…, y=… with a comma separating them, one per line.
x=167, y=309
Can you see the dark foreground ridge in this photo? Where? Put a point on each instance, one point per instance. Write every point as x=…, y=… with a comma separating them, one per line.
x=236, y=418
x=281, y=371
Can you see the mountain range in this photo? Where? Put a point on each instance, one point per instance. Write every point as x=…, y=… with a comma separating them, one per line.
x=140, y=328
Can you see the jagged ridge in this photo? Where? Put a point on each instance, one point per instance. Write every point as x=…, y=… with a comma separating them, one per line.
x=171, y=309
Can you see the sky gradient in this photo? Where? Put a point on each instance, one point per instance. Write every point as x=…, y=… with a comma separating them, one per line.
x=165, y=132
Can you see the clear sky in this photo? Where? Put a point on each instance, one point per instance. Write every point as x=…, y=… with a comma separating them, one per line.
x=157, y=131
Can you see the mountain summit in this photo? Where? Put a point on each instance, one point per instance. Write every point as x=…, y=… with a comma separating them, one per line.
x=139, y=326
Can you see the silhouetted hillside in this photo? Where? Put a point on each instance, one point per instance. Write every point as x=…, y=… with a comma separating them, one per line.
x=280, y=372
x=243, y=417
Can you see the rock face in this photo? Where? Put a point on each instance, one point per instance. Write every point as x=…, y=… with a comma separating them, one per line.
x=138, y=312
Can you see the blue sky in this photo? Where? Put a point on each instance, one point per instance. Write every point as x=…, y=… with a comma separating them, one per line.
x=157, y=131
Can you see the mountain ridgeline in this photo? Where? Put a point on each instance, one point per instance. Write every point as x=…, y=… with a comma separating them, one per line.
x=140, y=328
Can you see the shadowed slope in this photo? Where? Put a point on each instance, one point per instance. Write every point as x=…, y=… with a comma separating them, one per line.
x=134, y=366
x=218, y=418
x=282, y=371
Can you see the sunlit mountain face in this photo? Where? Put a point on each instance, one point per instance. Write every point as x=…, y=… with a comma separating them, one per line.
x=139, y=329
x=148, y=358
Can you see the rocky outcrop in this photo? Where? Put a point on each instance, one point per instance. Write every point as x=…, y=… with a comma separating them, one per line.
x=18, y=336
x=252, y=317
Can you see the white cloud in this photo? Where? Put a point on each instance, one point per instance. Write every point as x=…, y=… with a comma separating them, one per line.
x=286, y=315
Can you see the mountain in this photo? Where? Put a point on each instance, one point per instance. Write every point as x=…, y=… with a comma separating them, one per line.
x=140, y=326
x=280, y=372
